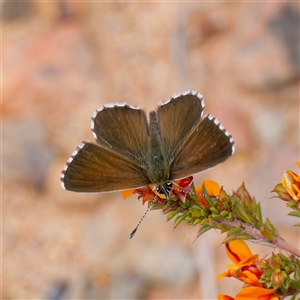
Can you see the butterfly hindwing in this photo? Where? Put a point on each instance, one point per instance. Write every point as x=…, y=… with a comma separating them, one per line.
x=208, y=145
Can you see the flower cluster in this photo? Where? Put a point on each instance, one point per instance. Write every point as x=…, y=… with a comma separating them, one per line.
x=240, y=217
x=265, y=279
x=180, y=189
x=289, y=191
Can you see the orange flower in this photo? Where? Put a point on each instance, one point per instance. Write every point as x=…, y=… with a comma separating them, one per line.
x=252, y=293
x=291, y=183
x=245, y=268
x=127, y=193
x=146, y=192
x=212, y=188
x=282, y=192
x=180, y=188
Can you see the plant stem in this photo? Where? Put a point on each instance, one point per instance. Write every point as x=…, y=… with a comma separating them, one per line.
x=278, y=242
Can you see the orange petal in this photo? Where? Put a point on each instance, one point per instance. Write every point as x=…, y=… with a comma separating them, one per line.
x=289, y=179
x=202, y=201
x=251, y=260
x=212, y=187
x=249, y=281
x=222, y=275
x=224, y=297
x=127, y=193
x=293, y=175
x=255, y=293
x=296, y=188
x=238, y=251
x=148, y=196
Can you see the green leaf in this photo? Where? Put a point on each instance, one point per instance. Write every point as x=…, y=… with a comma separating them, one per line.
x=297, y=275
x=224, y=213
x=185, y=204
x=258, y=212
x=283, y=257
x=242, y=214
x=267, y=233
x=234, y=231
x=230, y=216
x=189, y=219
x=167, y=205
x=270, y=226
x=195, y=207
x=195, y=213
x=172, y=214
x=179, y=219
x=294, y=214
x=238, y=236
x=204, y=221
x=214, y=210
x=286, y=282
x=216, y=216
x=203, y=229
x=196, y=222
x=295, y=285
x=194, y=194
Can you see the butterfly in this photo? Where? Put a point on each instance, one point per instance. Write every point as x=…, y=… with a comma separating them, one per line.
x=132, y=151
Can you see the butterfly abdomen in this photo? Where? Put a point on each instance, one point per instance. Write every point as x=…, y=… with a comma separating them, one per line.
x=158, y=169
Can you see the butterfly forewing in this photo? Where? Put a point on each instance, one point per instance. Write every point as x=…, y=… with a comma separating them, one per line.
x=177, y=118
x=92, y=168
x=122, y=129
x=208, y=145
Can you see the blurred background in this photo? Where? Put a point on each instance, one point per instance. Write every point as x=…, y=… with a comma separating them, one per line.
x=60, y=61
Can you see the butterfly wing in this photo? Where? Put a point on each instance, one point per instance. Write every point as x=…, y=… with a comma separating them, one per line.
x=177, y=118
x=208, y=145
x=122, y=129
x=92, y=168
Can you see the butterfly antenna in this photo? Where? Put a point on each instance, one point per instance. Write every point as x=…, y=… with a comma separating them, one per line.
x=139, y=223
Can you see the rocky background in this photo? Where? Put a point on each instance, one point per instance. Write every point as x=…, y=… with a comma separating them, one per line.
x=62, y=60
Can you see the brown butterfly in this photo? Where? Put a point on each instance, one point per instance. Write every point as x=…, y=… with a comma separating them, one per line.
x=132, y=152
